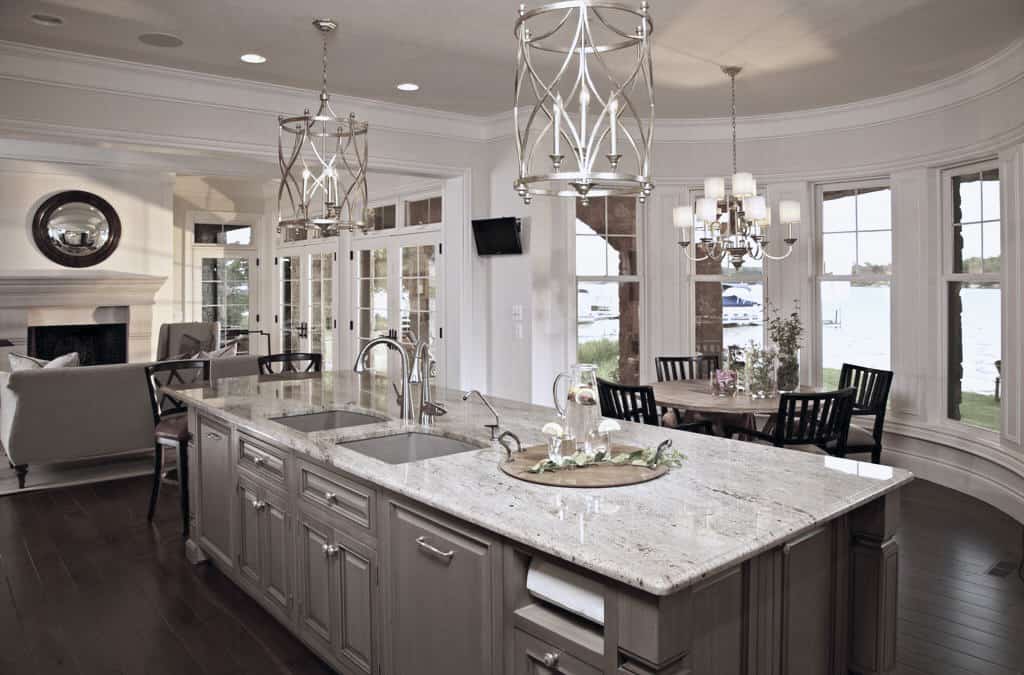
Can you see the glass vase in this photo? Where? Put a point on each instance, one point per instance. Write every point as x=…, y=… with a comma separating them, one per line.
x=788, y=373
x=760, y=372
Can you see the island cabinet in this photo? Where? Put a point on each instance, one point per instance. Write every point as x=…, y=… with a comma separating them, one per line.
x=264, y=551
x=211, y=477
x=443, y=590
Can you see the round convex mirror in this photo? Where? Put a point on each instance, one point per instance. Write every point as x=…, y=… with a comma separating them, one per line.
x=76, y=229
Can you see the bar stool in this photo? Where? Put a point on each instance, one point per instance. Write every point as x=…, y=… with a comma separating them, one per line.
x=170, y=419
x=291, y=362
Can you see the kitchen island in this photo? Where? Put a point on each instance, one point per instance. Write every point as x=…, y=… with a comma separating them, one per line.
x=746, y=559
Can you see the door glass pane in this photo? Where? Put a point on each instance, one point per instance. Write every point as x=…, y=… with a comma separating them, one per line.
x=855, y=326
x=974, y=353
x=419, y=292
x=291, y=303
x=382, y=217
x=226, y=297
x=372, y=304
x=224, y=235
x=728, y=315
x=321, y=317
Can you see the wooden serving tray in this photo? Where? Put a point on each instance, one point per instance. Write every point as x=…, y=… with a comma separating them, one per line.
x=593, y=476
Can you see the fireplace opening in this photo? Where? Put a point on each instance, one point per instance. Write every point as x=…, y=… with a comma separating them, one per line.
x=96, y=344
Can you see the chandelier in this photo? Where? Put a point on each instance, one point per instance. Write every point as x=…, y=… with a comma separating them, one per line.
x=323, y=159
x=733, y=224
x=584, y=100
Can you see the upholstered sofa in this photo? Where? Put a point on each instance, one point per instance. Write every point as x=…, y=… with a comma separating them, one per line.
x=66, y=414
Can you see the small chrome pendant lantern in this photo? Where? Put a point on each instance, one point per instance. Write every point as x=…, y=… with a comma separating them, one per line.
x=323, y=159
x=584, y=100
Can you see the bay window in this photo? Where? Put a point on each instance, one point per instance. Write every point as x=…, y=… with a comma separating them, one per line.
x=854, y=277
x=971, y=230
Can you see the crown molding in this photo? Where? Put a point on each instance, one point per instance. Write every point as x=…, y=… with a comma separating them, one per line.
x=1001, y=70
x=54, y=67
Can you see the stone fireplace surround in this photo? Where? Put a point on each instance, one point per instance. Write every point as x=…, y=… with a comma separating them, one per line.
x=65, y=297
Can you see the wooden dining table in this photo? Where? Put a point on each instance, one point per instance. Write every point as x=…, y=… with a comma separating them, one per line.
x=695, y=396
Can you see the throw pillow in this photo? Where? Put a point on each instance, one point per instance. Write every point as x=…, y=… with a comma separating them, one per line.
x=230, y=349
x=25, y=362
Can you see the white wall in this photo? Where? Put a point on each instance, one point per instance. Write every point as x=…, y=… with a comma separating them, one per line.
x=142, y=201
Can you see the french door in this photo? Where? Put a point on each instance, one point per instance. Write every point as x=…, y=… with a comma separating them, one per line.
x=307, y=300
x=225, y=286
x=396, y=282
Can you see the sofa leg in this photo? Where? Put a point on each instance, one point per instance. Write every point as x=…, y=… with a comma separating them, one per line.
x=21, y=470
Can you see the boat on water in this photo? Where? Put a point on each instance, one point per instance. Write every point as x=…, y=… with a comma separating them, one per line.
x=741, y=305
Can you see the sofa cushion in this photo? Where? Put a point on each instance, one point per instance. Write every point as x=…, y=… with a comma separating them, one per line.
x=24, y=362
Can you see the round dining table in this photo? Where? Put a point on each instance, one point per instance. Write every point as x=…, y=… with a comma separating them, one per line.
x=695, y=396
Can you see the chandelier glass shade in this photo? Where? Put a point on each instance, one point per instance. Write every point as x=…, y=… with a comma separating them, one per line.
x=584, y=100
x=323, y=160
x=733, y=223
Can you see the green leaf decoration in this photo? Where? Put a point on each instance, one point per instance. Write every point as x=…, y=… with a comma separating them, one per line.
x=647, y=457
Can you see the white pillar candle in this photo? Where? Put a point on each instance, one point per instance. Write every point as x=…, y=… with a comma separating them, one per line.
x=613, y=117
x=584, y=100
x=714, y=188
x=558, y=123
x=744, y=185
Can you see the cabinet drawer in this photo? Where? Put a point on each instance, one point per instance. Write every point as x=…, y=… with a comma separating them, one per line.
x=262, y=459
x=536, y=657
x=354, y=502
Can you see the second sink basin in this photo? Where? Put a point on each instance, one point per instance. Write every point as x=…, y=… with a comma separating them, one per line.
x=331, y=419
x=409, y=447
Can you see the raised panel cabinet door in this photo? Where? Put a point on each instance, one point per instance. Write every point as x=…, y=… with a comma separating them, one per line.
x=536, y=657
x=276, y=553
x=214, y=494
x=808, y=604
x=441, y=607
x=316, y=610
x=248, y=506
x=354, y=583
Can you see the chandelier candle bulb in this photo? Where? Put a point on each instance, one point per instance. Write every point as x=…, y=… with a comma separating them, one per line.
x=714, y=188
x=557, y=133
x=613, y=116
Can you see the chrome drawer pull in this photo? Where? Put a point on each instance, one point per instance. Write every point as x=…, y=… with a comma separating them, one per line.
x=213, y=437
x=330, y=550
x=330, y=497
x=445, y=556
x=259, y=505
x=258, y=461
x=550, y=660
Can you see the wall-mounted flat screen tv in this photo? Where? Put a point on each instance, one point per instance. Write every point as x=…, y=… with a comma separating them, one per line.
x=498, y=236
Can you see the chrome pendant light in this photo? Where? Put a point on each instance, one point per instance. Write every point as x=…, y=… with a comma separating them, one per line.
x=584, y=100
x=733, y=223
x=323, y=159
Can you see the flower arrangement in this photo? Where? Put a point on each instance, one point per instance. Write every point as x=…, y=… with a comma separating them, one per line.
x=787, y=334
x=760, y=371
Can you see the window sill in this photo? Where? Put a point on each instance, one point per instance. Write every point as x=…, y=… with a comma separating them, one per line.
x=971, y=440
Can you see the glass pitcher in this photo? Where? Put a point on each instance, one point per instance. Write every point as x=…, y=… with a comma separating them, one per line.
x=575, y=393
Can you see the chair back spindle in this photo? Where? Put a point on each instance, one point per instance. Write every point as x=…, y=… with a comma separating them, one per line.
x=195, y=372
x=625, y=402
x=821, y=419
x=291, y=362
x=671, y=368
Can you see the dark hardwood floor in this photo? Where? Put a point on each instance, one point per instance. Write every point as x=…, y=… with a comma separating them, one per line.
x=89, y=587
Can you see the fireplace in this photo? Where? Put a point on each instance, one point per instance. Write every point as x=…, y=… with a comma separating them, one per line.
x=96, y=344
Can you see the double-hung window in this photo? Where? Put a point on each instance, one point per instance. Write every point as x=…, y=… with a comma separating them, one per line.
x=854, y=277
x=973, y=257
x=608, y=288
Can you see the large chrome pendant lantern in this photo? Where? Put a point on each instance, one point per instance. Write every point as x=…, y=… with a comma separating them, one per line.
x=323, y=160
x=584, y=100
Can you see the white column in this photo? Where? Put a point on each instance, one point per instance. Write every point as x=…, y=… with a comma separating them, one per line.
x=1011, y=176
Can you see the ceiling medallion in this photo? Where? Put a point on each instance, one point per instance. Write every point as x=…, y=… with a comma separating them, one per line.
x=734, y=223
x=584, y=100
x=323, y=161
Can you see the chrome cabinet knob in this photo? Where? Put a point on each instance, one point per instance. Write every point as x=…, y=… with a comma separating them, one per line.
x=259, y=504
x=550, y=660
x=330, y=550
x=258, y=461
x=330, y=497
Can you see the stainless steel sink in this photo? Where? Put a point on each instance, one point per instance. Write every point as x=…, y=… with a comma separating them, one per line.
x=409, y=447
x=331, y=419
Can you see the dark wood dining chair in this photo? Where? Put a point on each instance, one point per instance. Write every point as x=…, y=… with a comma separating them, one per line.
x=636, y=404
x=820, y=419
x=291, y=362
x=871, y=400
x=170, y=419
x=700, y=367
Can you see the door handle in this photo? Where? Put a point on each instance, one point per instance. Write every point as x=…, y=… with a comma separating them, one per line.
x=445, y=556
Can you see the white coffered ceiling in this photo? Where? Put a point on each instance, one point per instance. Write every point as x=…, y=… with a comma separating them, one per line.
x=797, y=54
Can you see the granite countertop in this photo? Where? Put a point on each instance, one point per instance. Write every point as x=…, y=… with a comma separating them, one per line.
x=729, y=501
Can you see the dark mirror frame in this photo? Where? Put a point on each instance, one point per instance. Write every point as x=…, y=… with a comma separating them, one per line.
x=41, y=234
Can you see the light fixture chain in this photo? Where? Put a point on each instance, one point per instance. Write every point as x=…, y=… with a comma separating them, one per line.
x=324, y=86
x=732, y=77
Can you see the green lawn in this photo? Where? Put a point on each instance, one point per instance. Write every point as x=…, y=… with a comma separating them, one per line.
x=604, y=354
x=980, y=410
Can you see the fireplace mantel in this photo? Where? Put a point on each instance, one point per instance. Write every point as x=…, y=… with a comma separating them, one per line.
x=62, y=297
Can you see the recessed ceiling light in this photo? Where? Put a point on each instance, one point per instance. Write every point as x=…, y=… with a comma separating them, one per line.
x=160, y=40
x=48, y=20
x=254, y=58
x=408, y=86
